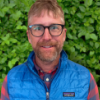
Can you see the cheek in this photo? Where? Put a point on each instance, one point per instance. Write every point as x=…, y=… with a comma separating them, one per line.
x=33, y=42
x=60, y=41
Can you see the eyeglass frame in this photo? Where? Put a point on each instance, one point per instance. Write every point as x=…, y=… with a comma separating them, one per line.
x=30, y=26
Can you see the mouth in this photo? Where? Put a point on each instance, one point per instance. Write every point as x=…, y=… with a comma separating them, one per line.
x=47, y=46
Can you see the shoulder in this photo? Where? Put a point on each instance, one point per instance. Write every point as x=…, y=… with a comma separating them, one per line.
x=76, y=66
x=70, y=64
x=17, y=70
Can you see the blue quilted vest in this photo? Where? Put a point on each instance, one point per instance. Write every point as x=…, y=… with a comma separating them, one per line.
x=71, y=82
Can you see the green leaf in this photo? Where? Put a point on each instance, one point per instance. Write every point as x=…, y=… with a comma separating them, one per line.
x=97, y=3
x=6, y=37
x=80, y=15
x=80, y=34
x=7, y=42
x=73, y=10
x=3, y=76
x=21, y=27
x=87, y=36
x=5, y=9
x=12, y=62
x=91, y=43
x=11, y=5
x=1, y=80
x=59, y=0
x=69, y=36
x=97, y=45
x=1, y=3
x=90, y=29
x=88, y=2
x=10, y=65
x=3, y=60
x=16, y=15
x=72, y=49
x=83, y=49
x=66, y=10
x=91, y=20
x=79, y=57
x=93, y=36
x=82, y=8
x=2, y=14
x=86, y=23
x=24, y=27
x=13, y=40
x=93, y=60
x=91, y=53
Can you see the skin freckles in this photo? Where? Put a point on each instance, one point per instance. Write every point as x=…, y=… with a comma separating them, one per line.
x=47, y=48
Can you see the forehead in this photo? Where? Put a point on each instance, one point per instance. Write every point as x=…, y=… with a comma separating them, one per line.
x=45, y=18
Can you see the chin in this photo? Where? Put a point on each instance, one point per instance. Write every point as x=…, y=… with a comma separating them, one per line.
x=48, y=57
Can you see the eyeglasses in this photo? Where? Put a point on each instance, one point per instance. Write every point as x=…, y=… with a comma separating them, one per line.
x=37, y=30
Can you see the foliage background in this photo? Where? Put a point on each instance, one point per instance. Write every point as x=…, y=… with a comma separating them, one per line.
x=82, y=44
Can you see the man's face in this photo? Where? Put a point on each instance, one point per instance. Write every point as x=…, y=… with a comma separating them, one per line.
x=47, y=48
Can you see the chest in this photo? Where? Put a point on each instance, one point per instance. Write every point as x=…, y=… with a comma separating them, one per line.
x=66, y=85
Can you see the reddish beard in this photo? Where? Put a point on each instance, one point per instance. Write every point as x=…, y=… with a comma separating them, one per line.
x=47, y=43
x=48, y=56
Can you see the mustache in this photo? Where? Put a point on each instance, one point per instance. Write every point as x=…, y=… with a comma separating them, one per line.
x=47, y=43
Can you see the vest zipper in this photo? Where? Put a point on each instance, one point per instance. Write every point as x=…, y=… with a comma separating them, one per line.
x=46, y=89
x=47, y=95
x=55, y=74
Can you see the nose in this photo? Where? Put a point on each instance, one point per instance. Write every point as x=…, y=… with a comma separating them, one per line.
x=47, y=35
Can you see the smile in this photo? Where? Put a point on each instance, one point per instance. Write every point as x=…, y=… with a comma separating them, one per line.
x=47, y=46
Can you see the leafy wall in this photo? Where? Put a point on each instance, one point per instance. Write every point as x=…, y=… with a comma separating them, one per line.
x=82, y=44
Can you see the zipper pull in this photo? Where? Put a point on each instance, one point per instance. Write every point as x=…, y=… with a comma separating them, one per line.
x=47, y=95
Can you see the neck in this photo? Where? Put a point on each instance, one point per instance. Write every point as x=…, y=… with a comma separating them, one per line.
x=47, y=66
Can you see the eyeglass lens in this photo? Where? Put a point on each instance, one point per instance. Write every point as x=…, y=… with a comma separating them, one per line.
x=38, y=30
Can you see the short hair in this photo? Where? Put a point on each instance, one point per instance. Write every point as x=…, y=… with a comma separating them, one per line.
x=46, y=5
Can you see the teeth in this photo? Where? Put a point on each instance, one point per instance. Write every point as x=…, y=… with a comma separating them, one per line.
x=46, y=46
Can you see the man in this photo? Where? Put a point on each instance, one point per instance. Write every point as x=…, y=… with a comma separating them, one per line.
x=48, y=74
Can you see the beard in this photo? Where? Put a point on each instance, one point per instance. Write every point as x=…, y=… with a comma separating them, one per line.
x=48, y=55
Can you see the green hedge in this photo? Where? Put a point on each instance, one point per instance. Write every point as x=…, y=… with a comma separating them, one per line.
x=82, y=44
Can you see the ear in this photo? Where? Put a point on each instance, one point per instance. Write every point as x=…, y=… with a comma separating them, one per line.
x=64, y=34
x=28, y=36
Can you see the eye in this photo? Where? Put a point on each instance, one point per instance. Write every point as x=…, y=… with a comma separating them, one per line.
x=37, y=28
x=53, y=27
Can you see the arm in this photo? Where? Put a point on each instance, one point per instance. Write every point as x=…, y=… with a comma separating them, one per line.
x=4, y=92
x=93, y=89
